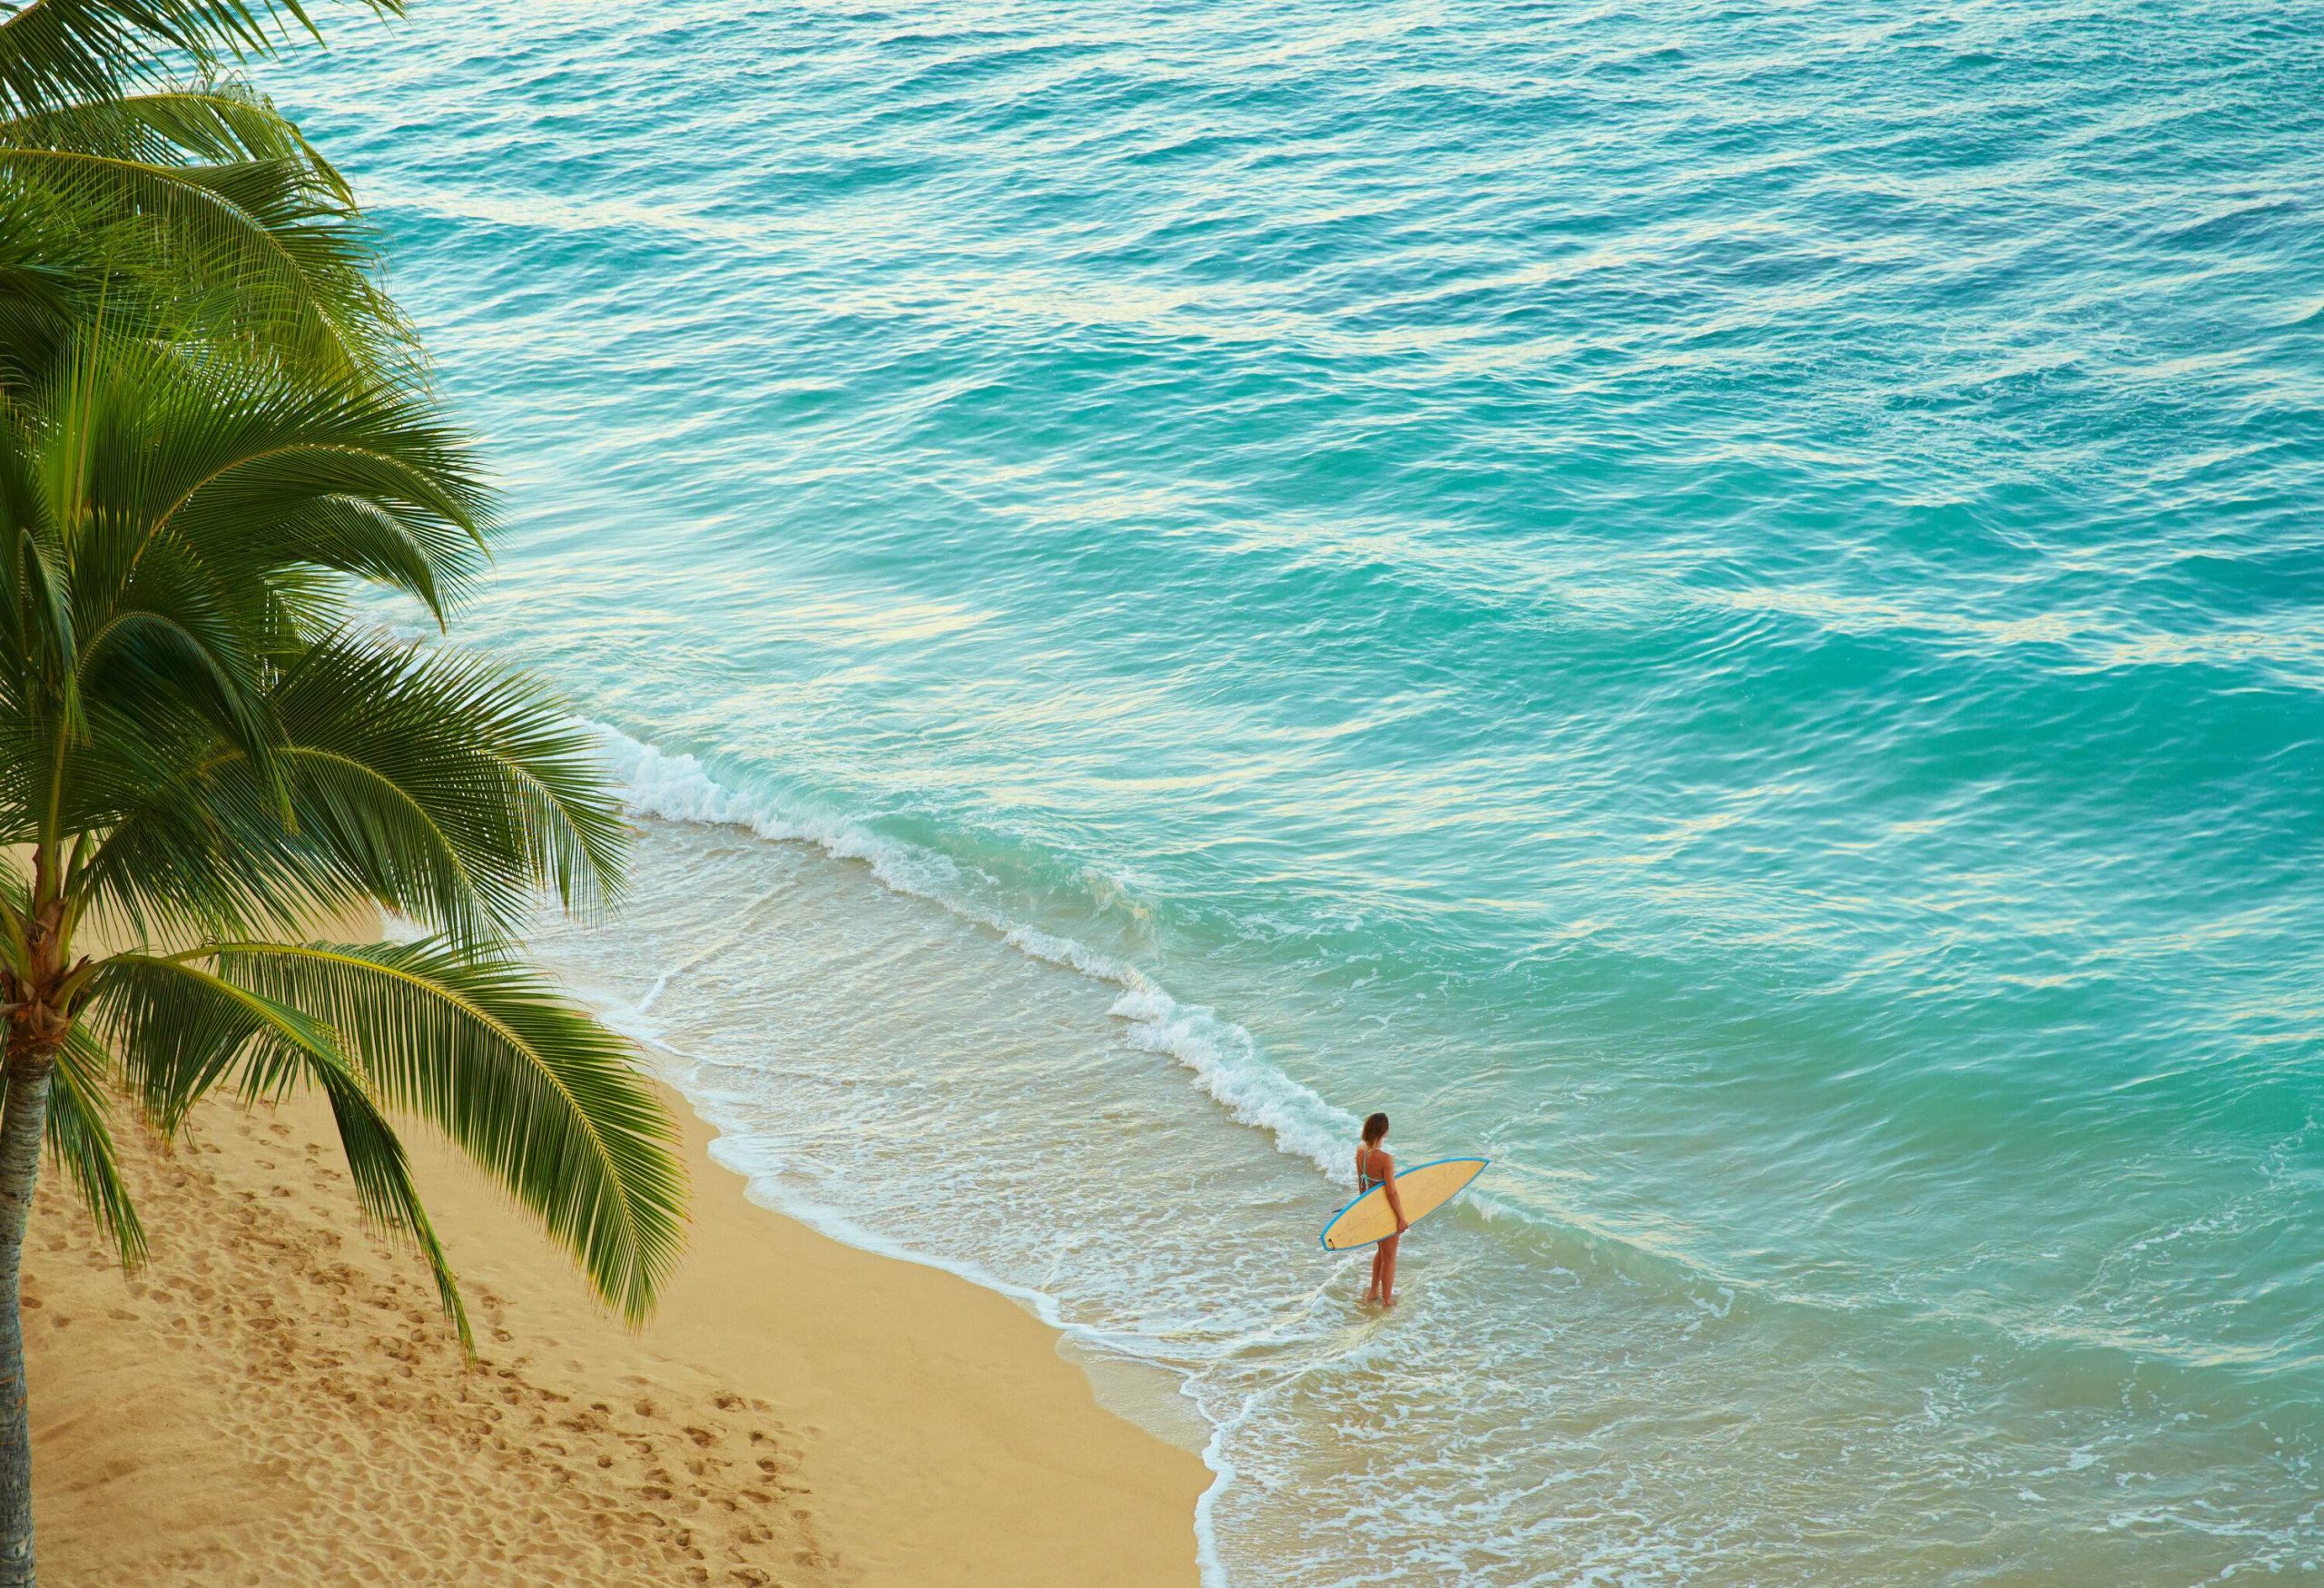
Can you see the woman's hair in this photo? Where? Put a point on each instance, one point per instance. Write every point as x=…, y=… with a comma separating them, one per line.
x=1375, y=1128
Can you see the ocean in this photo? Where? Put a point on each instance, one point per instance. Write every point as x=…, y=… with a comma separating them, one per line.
x=1719, y=602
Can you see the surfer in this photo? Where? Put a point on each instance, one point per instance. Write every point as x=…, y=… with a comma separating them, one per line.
x=1373, y=1167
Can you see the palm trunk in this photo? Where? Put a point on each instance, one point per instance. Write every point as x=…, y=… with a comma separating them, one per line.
x=21, y=1128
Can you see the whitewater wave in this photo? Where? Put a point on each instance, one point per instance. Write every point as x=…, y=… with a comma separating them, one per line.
x=1223, y=1056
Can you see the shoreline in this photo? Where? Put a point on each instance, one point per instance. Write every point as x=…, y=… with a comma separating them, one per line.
x=1148, y=1395
x=277, y=1398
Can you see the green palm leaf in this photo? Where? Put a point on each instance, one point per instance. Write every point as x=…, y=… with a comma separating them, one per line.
x=438, y=786
x=57, y=51
x=541, y=1095
x=500, y=783
x=267, y=241
x=183, y=1030
x=219, y=123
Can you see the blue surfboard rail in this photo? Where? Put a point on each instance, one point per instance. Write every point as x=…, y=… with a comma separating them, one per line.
x=1482, y=1164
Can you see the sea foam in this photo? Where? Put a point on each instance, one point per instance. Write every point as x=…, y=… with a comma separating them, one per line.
x=1223, y=1055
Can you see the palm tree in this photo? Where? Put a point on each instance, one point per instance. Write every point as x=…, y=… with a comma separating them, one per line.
x=132, y=164
x=198, y=750
x=201, y=750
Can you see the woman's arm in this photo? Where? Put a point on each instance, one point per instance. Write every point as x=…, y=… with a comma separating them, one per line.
x=1387, y=1168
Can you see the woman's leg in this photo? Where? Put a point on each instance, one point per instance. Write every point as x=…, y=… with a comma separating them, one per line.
x=1387, y=1282
x=1372, y=1290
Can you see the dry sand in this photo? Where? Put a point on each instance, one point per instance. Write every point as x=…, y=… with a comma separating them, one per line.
x=275, y=1400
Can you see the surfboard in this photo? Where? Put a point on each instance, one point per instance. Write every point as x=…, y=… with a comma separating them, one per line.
x=1368, y=1220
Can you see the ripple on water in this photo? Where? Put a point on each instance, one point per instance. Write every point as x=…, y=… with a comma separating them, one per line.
x=1715, y=602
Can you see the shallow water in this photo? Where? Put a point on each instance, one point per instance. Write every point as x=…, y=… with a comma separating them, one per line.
x=1719, y=603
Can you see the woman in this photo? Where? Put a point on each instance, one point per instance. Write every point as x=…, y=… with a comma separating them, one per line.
x=1373, y=1167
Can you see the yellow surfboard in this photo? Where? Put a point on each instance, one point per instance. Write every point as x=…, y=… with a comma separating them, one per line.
x=1369, y=1221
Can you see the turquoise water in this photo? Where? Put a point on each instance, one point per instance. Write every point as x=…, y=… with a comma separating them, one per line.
x=1718, y=602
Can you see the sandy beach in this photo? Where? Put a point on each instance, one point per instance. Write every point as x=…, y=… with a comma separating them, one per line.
x=276, y=1400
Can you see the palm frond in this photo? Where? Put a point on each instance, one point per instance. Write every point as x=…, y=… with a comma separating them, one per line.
x=190, y=849
x=384, y=1187
x=269, y=243
x=40, y=284
x=510, y=792
x=220, y=122
x=55, y=52
x=181, y=1029
x=440, y=786
x=15, y=904
x=235, y=469
x=542, y=1096
x=81, y=1141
